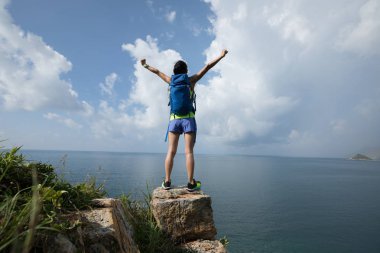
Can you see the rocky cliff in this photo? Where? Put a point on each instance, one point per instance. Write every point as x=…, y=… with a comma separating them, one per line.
x=103, y=229
x=187, y=217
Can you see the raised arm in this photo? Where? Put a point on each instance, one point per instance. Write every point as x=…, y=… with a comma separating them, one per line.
x=195, y=78
x=155, y=71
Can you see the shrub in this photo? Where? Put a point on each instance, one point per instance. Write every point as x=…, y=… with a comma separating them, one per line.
x=147, y=234
x=31, y=197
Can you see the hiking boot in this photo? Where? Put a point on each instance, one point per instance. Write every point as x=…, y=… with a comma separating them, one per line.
x=194, y=186
x=166, y=185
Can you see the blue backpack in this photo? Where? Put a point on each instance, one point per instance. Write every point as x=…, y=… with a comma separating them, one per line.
x=181, y=100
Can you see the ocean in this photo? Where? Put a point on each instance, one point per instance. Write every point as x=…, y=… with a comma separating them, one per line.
x=261, y=204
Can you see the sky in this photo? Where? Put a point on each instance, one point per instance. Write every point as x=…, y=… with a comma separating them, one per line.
x=301, y=78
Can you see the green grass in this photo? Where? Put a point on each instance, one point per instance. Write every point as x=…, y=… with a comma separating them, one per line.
x=33, y=200
x=147, y=234
x=32, y=196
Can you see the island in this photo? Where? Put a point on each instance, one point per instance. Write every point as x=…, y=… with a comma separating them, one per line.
x=360, y=157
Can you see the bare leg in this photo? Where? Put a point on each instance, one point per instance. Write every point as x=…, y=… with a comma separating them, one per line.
x=189, y=146
x=172, y=150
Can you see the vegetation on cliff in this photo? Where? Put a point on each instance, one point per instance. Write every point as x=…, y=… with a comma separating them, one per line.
x=34, y=202
x=147, y=234
x=32, y=197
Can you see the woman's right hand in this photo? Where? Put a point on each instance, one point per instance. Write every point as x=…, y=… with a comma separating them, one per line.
x=143, y=62
x=224, y=52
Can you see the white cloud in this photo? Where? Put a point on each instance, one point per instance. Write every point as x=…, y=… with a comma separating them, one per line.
x=149, y=3
x=196, y=30
x=368, y=108
x=170, y=16
x=268, y=96
x=162, y=12
x=294, y=135
x=168, y=35
x=284, y=85
x=301, y=143
x=192, y=25
x=300, y=139
x=88, y=110
x=109, y=82
x=363, y=37
x=238, y=104
x=282, y=89
x=291, y=25
x=231, y=107
x=63, y=120
x=339, y=126
x=149, y=92
x=145, y=109
x=30, y=73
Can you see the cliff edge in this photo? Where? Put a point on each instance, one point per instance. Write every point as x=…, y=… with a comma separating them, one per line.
x=187, y=217
x=104, y=229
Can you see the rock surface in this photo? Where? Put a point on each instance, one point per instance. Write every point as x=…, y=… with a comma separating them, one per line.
x=60, y=244
x=107, y=227
x=183, y=215
x=205, y=246
x=103, y=229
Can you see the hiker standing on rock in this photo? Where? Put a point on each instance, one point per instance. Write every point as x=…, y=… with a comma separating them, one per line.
x=182, y=115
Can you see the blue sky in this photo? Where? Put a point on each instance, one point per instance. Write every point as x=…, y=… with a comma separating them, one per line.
x=90, y=34
x=301, y=78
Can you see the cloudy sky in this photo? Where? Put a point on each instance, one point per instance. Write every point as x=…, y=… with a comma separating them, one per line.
x=301, y=78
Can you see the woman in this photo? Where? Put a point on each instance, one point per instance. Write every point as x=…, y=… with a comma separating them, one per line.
x=182, y=122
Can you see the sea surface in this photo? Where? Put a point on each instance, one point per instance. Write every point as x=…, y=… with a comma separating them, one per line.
x=261, y=204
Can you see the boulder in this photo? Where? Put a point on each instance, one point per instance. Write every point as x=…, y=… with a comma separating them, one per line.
x=184, y=216
x=101, y=203
x=59, y=244
x=205, y=246
x=107, y=227
x=98, y=227
x=103, y=229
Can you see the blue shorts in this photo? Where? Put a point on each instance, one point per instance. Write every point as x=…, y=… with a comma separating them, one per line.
x=180, y=126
